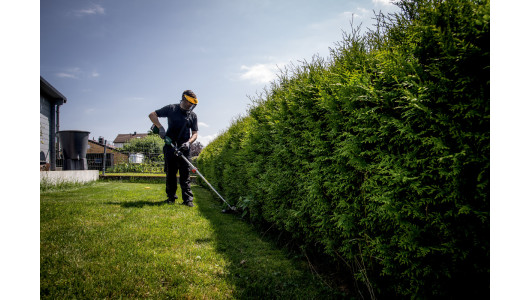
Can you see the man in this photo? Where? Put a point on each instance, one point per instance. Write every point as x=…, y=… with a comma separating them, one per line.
x=181, y=119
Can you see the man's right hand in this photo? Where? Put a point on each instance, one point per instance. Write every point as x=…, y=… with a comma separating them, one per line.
x=161, y=132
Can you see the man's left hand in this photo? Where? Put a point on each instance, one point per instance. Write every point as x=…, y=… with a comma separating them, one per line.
x=185, y=146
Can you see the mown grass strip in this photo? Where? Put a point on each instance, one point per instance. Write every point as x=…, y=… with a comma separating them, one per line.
x=134, y=174
x=120, y=240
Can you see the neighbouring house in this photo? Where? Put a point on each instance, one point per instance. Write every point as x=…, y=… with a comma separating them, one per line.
x=123, y=139
x=50, y=102
x=95, y=151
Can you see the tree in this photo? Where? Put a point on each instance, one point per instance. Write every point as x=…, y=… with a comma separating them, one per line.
x=151, y=146
x=195, y=149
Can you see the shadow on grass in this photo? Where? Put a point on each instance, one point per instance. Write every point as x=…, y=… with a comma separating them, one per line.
x=258, y=268
x=138, y=204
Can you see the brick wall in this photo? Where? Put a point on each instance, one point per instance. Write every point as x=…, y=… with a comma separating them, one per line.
x=97, y=148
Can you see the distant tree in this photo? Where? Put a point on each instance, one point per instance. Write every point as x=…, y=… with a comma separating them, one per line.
x=153, y=144
x=195, y=149
x=149, y=145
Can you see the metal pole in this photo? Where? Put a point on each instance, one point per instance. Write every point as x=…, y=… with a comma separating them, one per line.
x=194, y=169
x=104, y=156
x=53, y=139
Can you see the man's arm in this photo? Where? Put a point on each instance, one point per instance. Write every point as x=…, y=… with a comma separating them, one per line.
x=161, y=131
x=154, y=118
x=194, y=136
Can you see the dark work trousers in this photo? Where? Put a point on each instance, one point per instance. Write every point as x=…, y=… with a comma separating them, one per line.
x=174, y=164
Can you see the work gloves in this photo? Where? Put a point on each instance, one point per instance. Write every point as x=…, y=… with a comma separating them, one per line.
x=185, y=146
x=167, y=140
x=162, y=132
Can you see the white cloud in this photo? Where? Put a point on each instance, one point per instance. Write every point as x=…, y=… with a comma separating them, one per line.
x=202, y=124
x=66, y=75
x=95, y=9
x=76, y=73
x=205, y=140
x=384, y=2
x=358, y=13
x=365, y=11
x=260, y=73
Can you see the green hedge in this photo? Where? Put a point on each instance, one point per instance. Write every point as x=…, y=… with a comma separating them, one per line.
x=378, y=157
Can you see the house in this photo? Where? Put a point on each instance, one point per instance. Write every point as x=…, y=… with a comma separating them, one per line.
x=95, y=151
x=122, y=139
x=50, y=102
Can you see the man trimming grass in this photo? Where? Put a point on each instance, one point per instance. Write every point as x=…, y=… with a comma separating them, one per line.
x=181, y=119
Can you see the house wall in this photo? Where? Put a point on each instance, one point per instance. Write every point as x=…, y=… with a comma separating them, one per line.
x=97, y=148
x=45, y=134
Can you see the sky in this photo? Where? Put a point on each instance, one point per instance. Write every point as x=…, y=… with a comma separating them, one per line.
x=117, y=61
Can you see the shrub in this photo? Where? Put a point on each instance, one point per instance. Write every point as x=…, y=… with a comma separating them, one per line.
x=150, y=146
x=378, y=157
x=146, y=167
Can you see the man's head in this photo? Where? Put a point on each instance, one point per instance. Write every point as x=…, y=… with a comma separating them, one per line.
x=189, y=100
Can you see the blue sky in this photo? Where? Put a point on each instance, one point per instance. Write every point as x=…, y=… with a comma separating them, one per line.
x=117, y=61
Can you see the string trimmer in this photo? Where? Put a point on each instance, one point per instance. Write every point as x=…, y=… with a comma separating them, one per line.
x=193, y=169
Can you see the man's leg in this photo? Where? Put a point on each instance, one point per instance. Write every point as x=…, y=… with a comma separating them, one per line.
x=171, y=173
x=185, y=182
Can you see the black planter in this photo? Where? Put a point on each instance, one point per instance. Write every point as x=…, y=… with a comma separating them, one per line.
x=74, y=144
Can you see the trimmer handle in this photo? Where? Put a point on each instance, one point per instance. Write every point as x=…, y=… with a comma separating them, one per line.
x=154, y=129
x=167, y=139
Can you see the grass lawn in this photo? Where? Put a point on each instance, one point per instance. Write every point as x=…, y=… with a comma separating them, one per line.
x=120, y=240
x=135, y=174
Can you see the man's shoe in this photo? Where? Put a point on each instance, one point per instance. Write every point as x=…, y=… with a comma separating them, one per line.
x=189, y=203
x=170, y=201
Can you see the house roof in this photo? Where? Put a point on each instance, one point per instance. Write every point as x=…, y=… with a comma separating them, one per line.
x=102, y=145
x=124, y=138
x=48, y=90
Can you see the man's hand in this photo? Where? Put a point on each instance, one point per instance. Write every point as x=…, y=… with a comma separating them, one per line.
x=161, y=132
x=185, y=146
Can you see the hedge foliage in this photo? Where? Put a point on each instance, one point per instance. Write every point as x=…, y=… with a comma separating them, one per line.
x=378, y=156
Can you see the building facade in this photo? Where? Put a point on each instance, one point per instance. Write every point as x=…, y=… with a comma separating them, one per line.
x=123, y=139
x=95, y=152
x=50, y=102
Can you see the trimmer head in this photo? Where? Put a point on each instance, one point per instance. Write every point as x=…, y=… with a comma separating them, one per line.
x=229, y=210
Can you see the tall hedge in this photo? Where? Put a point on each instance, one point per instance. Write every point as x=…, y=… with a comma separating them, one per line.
x=378, y=156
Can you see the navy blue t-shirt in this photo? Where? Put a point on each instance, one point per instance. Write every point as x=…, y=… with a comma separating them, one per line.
x=176, y=118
